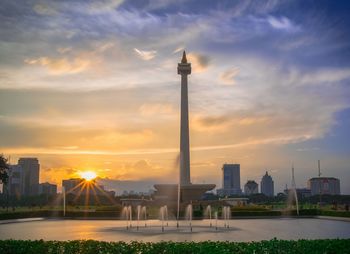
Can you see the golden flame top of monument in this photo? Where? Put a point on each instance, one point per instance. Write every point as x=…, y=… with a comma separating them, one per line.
x=184, y=68
x=184, y=59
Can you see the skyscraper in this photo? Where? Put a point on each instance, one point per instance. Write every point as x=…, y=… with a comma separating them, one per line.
x=267, y=186
x=73, y=185
x=251, y=187
x=47, y=188
x=324, y=185
x=30, y=179
x=15, y=181
x=231, y=180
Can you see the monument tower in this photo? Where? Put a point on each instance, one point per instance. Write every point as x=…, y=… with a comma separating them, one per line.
x=188, y=191
x=184, y=69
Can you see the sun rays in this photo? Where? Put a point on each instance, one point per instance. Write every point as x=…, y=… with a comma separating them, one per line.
x=88, y=175
x=87, y=189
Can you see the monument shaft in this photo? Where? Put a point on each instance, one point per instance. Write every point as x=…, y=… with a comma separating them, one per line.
x=184, y=69
x=185, y=191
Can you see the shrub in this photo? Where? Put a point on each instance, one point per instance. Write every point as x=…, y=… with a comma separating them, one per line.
x=90, y=246
x=335, y=213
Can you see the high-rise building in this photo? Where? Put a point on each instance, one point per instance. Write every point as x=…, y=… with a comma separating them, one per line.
x=267, y=186
x=324, y=185
x=15, y=181
x=251, y=187
x=72, y=185
x=30, y=179
x=231, y=180
x=47, y=188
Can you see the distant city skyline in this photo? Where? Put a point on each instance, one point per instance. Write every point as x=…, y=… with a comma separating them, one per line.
x=89, y=86
x=27, y=170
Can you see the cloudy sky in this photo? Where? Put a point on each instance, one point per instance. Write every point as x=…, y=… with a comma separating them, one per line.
x=93, y=85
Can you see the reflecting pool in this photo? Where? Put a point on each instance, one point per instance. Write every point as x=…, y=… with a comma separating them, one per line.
x=230, y=230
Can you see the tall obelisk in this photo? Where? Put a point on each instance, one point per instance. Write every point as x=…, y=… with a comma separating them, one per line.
x=184, y=69
x=185, y=190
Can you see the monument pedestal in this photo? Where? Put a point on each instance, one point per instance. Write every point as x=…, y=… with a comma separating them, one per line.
x=190, y=192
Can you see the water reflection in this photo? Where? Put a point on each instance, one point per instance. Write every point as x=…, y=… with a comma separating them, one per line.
x=240, y=230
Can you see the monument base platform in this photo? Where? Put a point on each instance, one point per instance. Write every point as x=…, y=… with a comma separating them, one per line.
x=190, y=192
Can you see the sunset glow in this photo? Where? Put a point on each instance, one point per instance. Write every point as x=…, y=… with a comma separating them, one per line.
x=94, y=86
x=88, y=175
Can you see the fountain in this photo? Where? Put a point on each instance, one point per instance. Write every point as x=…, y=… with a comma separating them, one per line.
x=138, y=216
x=163, y=215
x=144, y=212
x=189, y=213
x=166, y=215
x=207, y=214
x=210, y=214
x=130, y=215
x=226, y=213
x=292, y=194
x=293, y=197
x=127, y=215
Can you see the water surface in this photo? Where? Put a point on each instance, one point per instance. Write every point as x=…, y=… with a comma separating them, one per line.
x=239, y=230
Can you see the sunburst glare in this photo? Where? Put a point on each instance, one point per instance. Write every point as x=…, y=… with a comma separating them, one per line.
x=88, y=175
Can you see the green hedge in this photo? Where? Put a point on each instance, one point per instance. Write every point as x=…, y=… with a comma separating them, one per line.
x=335, y=213
x=89, y=246
x=302, y=212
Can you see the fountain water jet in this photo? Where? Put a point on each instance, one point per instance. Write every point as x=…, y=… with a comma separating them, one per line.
x=144, y=212
x=177, y=165
x=138, y=216
x=166, y=215
x=189, y=213
x=292, y=194
x=163, y=211
x=226, y=214
x=125, y=215
x=208, y=214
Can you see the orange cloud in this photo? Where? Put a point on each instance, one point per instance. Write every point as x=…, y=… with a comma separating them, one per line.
x=59, y=66
x=228, y=76
x=145, y=55
x=199, y=62
x=155, y=109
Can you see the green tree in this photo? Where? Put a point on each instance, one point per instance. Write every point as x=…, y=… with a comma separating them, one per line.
x=4, y=167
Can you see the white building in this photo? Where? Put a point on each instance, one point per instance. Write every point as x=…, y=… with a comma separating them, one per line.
x=267, y=185
x=324, y=185
x=251, y=187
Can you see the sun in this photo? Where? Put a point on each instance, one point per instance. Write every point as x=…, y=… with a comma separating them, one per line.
x=88, y=175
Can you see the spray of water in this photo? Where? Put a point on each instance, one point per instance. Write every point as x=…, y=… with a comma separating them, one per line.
x=138, y=216
x=177, y=166
x=144, y=213
x=207, y=214
x=189, y=213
